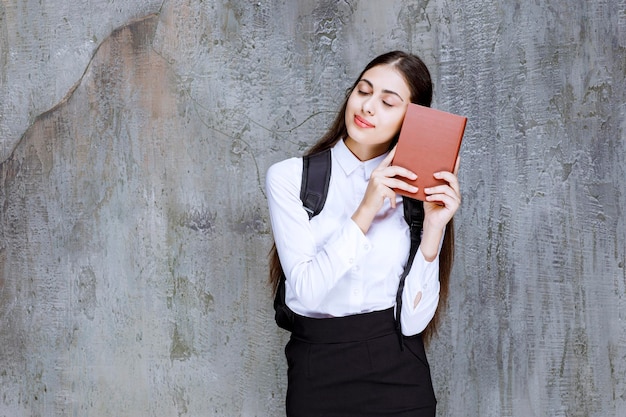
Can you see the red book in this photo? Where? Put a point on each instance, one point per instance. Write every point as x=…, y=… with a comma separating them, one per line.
x=429, y=142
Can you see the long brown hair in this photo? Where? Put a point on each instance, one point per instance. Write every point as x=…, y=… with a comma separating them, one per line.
x=417, y=77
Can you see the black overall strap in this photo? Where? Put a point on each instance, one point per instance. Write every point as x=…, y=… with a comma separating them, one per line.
x=315, y=180
x=414, y=216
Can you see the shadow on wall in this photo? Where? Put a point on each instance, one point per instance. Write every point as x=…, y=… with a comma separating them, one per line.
x=109, y=201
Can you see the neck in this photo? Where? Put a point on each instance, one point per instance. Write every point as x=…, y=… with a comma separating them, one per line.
x=365, y=152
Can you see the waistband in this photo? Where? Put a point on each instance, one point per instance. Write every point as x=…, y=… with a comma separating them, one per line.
x=354, y=328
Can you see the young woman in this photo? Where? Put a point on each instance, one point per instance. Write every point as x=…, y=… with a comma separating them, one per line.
x=343, y=267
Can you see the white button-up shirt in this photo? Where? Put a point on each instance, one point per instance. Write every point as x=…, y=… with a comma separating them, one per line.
x=332, y=269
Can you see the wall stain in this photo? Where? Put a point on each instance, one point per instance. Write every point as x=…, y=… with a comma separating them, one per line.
x=180, y=349
x=86, y=284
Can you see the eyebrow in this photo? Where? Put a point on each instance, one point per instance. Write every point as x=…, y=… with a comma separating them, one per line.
x=384, y=91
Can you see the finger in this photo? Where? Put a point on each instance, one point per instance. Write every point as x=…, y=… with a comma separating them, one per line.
x=398, y=171
x=451, y=189
x=399, y=184
x=443, y=190
x=387, y=161
x=450, y=178
x=446, y=176
x=456, y=165
x=445, y=201
x=449, y=201
x=388, y=193
x=392, y=171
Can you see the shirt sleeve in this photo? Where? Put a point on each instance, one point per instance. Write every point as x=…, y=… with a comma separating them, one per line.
x=423, y=277
x=310, y=272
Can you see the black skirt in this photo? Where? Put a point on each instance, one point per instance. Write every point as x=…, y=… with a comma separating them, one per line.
x=354, y=367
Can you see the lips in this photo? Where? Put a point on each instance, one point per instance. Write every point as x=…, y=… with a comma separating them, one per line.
x=361, y=122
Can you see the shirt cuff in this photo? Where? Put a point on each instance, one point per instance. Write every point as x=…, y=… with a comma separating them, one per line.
x=430, y=270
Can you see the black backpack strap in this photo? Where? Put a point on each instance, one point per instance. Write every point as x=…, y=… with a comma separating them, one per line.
x=414, y=216
x=315, y=180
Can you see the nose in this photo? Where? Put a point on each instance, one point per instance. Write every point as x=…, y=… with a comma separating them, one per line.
x=367, y=106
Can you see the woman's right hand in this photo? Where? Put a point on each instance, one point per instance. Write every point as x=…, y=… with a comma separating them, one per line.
x=380, y=187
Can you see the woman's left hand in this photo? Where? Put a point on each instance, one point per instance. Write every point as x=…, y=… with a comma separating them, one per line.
x=442, y=202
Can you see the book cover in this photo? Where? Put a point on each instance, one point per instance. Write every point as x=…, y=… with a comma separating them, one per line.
x=429, y=142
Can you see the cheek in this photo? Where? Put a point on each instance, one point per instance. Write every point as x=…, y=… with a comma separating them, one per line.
x=396, y=123
x=349, y=108
x=353, y=102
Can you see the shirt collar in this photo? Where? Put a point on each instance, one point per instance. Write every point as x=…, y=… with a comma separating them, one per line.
x=349, y=162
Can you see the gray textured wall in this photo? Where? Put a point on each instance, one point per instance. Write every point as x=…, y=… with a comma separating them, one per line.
x=134, y=138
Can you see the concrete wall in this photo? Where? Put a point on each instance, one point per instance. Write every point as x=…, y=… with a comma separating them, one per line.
x=134, y=139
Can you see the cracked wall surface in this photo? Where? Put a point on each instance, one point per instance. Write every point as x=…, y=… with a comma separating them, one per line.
x=134, y=140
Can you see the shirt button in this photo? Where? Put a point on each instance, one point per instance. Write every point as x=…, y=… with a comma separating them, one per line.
x=366, y=246
x=350, y=261
x=356, y=268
